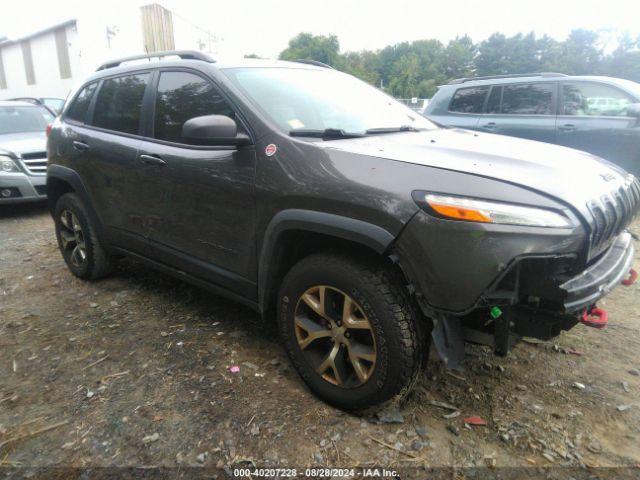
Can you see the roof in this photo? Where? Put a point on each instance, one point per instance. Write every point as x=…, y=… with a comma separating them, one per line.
x=6, y=41
x=496, y=77
x=504, y=79
x=14, y=103
x=140, y=63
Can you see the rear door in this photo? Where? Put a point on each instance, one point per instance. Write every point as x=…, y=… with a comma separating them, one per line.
x=108, y=147
x=525, y=110
x=198, y=200
x=593, y=118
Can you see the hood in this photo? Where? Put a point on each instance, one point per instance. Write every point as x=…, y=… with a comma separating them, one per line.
x=572, y=176
x=25, y=142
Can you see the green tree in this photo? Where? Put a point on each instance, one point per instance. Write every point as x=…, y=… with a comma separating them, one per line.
x=459, y=58
x=624, y=61
x=406, y=76
x=499, y=55
x=305, y=46
x=415, y=69
x=492, y=58
x=580, y=54
x=364, y=65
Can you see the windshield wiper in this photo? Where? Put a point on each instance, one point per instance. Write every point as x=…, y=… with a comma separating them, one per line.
x=403, y=128
x=327, y=133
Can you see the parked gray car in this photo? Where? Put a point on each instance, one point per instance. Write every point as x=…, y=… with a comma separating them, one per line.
x=599, y=115
x=23, y=156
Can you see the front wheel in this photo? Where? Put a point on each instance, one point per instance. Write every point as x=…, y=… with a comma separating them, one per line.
x=350, y=331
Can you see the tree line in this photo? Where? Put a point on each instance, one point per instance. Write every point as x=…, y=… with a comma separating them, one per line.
x=415, y=69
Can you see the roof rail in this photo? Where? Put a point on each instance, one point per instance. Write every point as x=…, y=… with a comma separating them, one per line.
x=183, y=54
x=311, y=62
x=515, y=75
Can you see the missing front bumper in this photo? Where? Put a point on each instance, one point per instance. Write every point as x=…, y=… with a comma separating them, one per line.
x=600, y=278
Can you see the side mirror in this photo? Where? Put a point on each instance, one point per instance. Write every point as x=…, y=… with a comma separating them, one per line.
x=633, y=110
x=213, y=130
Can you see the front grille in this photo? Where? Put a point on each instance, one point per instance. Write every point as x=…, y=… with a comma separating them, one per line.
x=612, y=213
x=35, y=162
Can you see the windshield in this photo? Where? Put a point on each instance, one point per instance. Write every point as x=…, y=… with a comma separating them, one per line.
x=310, y=99
x=24, y=119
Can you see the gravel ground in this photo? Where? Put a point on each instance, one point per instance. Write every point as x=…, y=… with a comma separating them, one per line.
x=133, y=371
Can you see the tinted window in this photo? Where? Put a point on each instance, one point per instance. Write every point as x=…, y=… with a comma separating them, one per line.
x=527, y=99
x=119, y=103
x=593, y=99
x=468, y=100
x=495, y=98
x=182, y=96
x=78, y=109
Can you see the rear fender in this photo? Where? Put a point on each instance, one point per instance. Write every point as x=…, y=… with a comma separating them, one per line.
x=73, y=179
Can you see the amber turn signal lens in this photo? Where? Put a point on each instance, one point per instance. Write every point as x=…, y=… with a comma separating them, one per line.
x=460, y=213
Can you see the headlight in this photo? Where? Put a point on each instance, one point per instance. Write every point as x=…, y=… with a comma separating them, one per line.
x=484, y=211
x=7, y=165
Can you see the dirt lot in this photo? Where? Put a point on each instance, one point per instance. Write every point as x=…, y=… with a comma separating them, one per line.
x=133, y=371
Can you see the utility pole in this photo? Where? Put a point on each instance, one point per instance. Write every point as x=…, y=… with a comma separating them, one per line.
x=111, y=32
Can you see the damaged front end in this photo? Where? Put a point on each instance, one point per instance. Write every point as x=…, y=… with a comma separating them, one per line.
x=537, y=282
x=543, y=298
x=539, y=298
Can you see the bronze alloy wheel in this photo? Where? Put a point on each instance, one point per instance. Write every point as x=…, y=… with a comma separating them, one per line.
x=72, y=238
x=335, y=336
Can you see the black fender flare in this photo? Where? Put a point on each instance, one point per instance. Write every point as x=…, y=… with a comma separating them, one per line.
x=373, y=236
x=73, y=178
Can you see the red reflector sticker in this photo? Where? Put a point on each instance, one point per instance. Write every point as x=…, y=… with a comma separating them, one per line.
x=271, y=150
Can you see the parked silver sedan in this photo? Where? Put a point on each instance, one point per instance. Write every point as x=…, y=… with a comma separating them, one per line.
x=23, y=152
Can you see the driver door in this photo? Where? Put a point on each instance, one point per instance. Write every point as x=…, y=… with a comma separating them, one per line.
x=199, y=214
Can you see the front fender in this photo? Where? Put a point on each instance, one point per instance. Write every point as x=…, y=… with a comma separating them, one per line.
x=358, y=231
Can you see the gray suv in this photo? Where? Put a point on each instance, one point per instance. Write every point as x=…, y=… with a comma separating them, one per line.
x=318, y=200
x=23, y=156
x=600, y=115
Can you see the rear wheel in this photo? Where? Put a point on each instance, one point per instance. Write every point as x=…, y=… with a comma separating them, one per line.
x=78, y=240
x=349, y=331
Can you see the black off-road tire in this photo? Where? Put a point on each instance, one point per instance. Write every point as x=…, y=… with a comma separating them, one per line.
x=98, y=263
x=400, y=344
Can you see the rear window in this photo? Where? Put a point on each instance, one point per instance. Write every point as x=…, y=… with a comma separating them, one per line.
x=468, y=100
x=119, y=103
x=78, y=109
x=527, y=99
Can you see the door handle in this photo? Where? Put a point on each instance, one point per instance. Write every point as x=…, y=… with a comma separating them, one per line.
x=152, y=160
x=80, y=146
x=568, y=127
x=490, y=126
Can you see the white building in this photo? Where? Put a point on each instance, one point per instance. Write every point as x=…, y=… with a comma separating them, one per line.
x=48, y=63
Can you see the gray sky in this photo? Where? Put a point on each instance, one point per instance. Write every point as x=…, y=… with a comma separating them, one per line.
x=265, y=26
